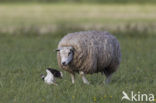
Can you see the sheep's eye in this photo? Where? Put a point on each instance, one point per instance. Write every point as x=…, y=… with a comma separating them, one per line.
x=69, y=53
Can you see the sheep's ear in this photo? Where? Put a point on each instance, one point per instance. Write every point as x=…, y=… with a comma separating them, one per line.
x=72, y=49
x=57, y=50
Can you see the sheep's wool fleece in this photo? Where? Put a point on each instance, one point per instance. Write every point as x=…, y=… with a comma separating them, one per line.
x=93, y=51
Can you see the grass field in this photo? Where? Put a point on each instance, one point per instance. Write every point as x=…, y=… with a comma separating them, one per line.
x=47, y=18
x=24, y=54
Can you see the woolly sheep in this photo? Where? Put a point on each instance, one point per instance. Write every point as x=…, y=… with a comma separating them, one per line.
x=89, y=52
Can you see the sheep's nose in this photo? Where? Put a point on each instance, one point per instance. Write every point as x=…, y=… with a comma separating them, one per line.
x=63, y=63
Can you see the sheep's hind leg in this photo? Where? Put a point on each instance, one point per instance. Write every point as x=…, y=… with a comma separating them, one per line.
x=73, y=78
x=109, y=71
x=84, y=78
x=108, y=79
x=108, y=76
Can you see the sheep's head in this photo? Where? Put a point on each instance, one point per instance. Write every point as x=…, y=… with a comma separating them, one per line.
x=66, y=54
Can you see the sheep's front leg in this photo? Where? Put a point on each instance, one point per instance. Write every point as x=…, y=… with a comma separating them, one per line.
x=73, y=78
x=84, y=78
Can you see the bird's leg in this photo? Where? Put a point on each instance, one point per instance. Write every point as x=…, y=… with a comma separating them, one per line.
x=73, y=78
x=83, y=77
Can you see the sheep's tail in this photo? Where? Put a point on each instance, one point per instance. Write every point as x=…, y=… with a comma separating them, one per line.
x=61, y=74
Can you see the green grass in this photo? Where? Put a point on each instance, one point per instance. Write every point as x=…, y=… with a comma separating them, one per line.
x=24, y=58
x=49, y=17
x=25, y=54
x=80, y=1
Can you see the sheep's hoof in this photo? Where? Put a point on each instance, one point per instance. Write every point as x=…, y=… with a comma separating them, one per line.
x=107, y=81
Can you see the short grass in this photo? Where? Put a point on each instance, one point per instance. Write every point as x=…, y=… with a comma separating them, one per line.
x=24, y=54
x=24, y=58
x=49, y=17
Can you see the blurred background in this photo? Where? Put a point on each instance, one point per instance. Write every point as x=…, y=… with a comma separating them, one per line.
x=31, y=29
x=47, y=16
